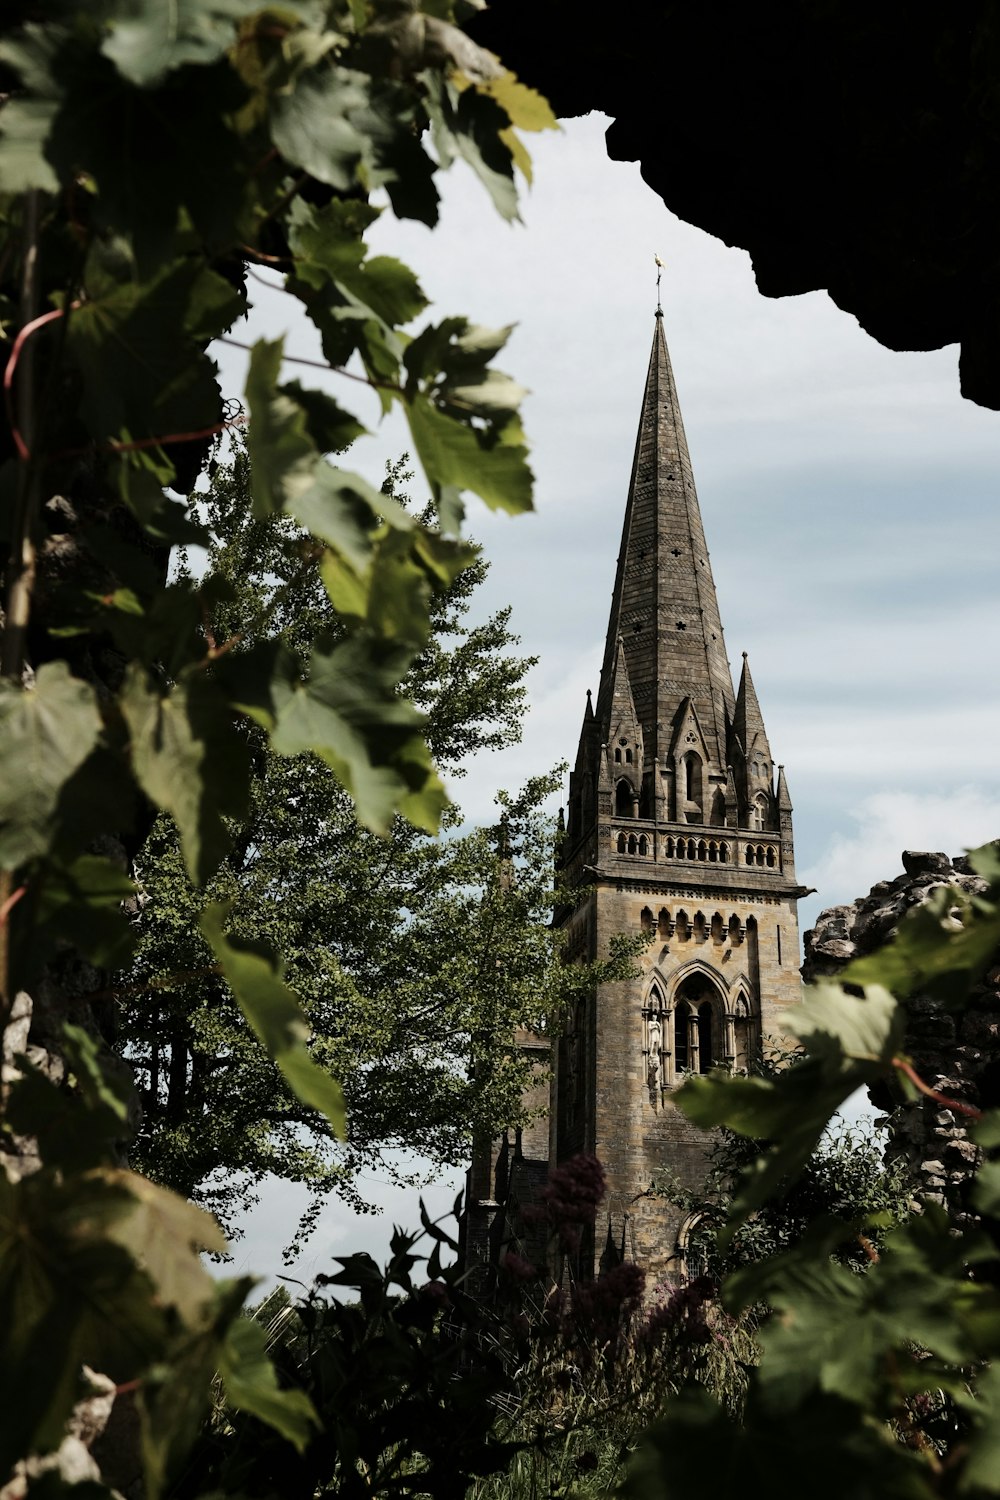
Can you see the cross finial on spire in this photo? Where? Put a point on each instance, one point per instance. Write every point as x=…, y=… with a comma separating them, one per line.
x=659, y=273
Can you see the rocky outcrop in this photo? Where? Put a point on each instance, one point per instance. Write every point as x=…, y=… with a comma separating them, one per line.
x=956, y=1052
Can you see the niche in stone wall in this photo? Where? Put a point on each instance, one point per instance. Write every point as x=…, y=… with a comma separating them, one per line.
x=744, y=1035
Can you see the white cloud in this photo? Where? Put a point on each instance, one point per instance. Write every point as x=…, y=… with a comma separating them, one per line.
x=889, y=822
x=340, y=1232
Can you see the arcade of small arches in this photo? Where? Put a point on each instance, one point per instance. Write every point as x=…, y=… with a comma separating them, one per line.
x=700, y=1028
x=719, y=929
x=709, y=851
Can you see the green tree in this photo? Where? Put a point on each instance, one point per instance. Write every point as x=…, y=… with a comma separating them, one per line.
x=405, y=951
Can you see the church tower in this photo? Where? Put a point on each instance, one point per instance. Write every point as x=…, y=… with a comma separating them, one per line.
x=679, y=828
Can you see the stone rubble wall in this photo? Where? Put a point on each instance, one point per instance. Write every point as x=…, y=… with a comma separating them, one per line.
x=957, y=1053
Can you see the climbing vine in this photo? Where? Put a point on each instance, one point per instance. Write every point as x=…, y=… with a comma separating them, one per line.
x=148, y=155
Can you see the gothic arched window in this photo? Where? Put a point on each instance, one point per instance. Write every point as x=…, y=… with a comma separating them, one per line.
x=623, y=800
x=759, y=813
x=692, y=777
x=699, y=1001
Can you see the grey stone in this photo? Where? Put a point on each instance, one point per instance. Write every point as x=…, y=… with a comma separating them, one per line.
x=918, y=862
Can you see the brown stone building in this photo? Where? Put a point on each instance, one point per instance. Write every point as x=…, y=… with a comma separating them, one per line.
x=680, y=827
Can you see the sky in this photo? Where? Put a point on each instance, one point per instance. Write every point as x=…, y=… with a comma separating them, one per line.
x=847, y=491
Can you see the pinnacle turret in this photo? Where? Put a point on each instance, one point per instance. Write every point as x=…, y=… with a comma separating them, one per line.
x=750, y=756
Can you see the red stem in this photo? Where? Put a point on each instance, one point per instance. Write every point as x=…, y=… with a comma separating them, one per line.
x=8, y=374
x=953, y=1104
x=10, y=903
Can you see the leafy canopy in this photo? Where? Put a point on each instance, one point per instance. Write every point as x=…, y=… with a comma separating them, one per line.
x=409, y=954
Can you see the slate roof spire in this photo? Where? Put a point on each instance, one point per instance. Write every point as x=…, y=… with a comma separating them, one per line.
x=664, y=608
x=748, y=721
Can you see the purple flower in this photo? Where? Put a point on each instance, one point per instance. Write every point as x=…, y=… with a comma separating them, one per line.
x=682, y=1315
x=570, y=1198
x=436, y=1291
x=517, y=1267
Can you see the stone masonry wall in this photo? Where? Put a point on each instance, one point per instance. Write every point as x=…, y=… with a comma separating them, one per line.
x=957, y=1054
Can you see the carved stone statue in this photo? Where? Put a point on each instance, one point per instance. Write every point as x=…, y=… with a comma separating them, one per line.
x=655, y=1043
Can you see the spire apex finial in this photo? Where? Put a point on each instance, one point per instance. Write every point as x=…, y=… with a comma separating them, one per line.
x=659, y=273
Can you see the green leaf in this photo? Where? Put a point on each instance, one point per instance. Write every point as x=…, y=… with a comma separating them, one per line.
x=25, y=127
x=190, y=759
x=331, y=428
x=842, y=1454
x=147, y=39
x=26, y=121
x=469, y=125
x=525, y=107
x=457, y=456
x=850, y=1041
x=76, y=1129
x=254, y=974
x=838, y=1330
x=845, y=1029
x=139, y=348
x=356, y=303
x=80, y=905
x=940, y=948
x=312, y=126
x=330, y=252
x=289, y=473
x=349, y=712
x=46, y=733
x=981, y=1470
x=986, y=861
x=394, y=599
x=251, y=1384
x=166, y=1236
x=69, y=1296
x=174, y=1395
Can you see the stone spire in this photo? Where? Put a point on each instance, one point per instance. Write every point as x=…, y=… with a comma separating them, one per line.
x=664, y=611
x=750, y=755
x=748, y=722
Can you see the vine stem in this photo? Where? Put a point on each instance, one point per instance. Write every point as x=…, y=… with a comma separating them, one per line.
x=23, y=451
x=957, y=1105
x=319, y=364
x=22, y=557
